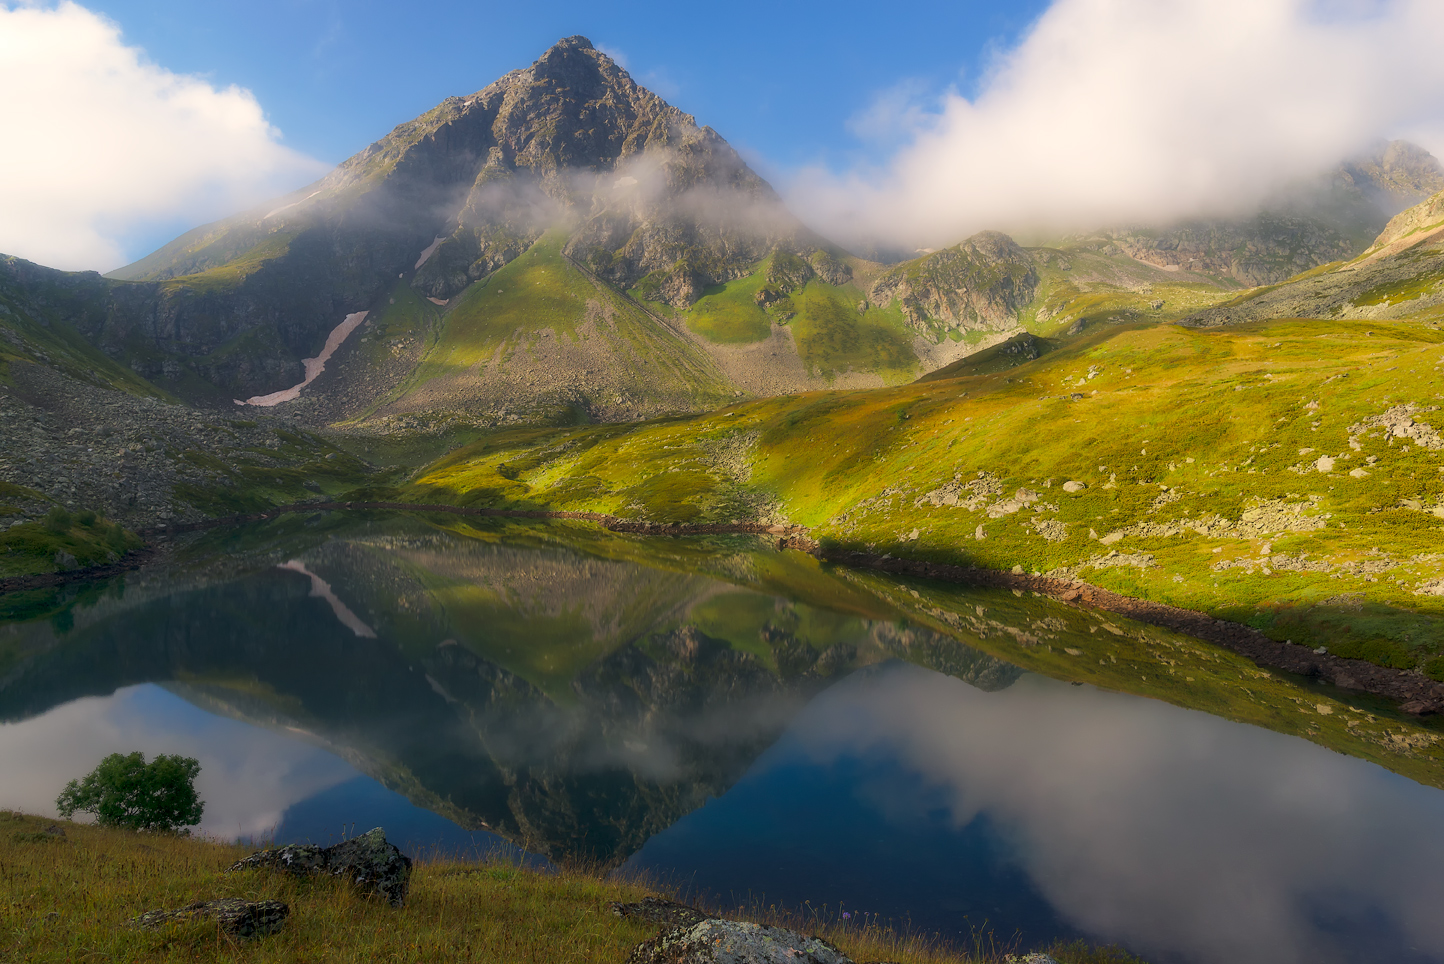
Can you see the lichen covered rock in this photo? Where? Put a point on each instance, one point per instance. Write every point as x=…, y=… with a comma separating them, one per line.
x=240, y=918
x=735, y=942
x=368, y=861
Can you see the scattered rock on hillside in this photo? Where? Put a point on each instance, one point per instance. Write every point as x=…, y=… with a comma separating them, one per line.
x=735, y=942
x=368, y=861
x=1074, y=486
x=241, y=918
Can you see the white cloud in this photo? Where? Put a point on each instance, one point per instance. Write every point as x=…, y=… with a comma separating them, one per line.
x=1120, y=110
x=100, y=141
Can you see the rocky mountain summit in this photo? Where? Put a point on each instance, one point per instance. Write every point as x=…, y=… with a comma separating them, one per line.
x=636, y=219
x=981, y=283
x=446, y=200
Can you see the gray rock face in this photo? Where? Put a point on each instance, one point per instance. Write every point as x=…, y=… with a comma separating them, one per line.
x=735, y=942
x=240, y=918
x=980, y=284
x=1332, y=220
x=368, y=861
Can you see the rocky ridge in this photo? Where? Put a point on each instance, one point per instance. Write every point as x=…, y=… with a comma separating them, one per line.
x=1300, y=229
x=1401, y=274
x=984, y=282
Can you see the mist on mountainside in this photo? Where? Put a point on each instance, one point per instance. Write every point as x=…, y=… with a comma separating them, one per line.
x=1130, y=112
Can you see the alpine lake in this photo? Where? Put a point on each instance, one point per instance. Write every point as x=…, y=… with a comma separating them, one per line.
x=748, y=726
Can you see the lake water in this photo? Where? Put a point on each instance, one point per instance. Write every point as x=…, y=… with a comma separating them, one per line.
x=748, y=725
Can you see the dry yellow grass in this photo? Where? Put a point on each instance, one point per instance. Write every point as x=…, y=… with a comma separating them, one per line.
x=69, y=899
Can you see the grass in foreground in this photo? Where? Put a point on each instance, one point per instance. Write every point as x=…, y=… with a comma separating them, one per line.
x=69, y=898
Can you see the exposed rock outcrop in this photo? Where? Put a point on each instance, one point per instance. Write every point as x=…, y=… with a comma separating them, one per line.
x=981, y=283
x=239, y=918
x=371, y=864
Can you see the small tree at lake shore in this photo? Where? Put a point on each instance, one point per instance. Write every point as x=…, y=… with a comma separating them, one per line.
x=125, y=791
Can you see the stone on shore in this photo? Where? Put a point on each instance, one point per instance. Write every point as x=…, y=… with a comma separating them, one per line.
x=371, y=864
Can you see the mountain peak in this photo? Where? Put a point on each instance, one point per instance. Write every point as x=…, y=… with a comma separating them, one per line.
x=574, y=42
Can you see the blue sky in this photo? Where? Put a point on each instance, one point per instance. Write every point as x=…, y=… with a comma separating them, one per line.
x=914, y=125
x=780, y=81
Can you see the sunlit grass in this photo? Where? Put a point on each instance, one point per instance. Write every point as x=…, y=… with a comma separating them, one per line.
x=1171, y=429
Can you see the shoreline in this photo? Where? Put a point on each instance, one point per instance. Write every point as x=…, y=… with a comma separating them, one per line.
x=1417, y=694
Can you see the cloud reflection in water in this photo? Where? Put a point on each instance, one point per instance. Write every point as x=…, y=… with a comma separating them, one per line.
x=1183, y=835
x=249, y=776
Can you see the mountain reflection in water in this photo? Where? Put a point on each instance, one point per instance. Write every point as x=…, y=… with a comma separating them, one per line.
x=745, y=722
x=574, y=705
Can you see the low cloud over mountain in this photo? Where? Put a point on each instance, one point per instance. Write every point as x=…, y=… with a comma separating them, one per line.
x=1128, y=110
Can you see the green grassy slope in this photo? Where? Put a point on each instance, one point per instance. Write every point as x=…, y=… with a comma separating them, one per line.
x=524, y=320
x=1250, y=473
x=831, y=334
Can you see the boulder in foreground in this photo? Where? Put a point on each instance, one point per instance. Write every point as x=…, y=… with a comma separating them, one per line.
x=368, y=861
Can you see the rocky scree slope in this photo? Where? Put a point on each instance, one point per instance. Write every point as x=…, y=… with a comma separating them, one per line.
x=1401, y=275
x=145, y=462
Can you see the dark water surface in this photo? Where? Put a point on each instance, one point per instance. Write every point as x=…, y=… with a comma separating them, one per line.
x=742, y=723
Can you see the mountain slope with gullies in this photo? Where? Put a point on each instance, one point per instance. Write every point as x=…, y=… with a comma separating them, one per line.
x=664, y=275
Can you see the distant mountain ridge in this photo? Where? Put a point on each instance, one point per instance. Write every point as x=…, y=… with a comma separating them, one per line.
x=1401, y=274
x=564, y=245
x=1332, y=220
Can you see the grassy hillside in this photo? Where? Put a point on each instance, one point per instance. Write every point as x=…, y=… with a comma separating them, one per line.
x=831, y=334
x=539, y=338
x=1285, y=474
